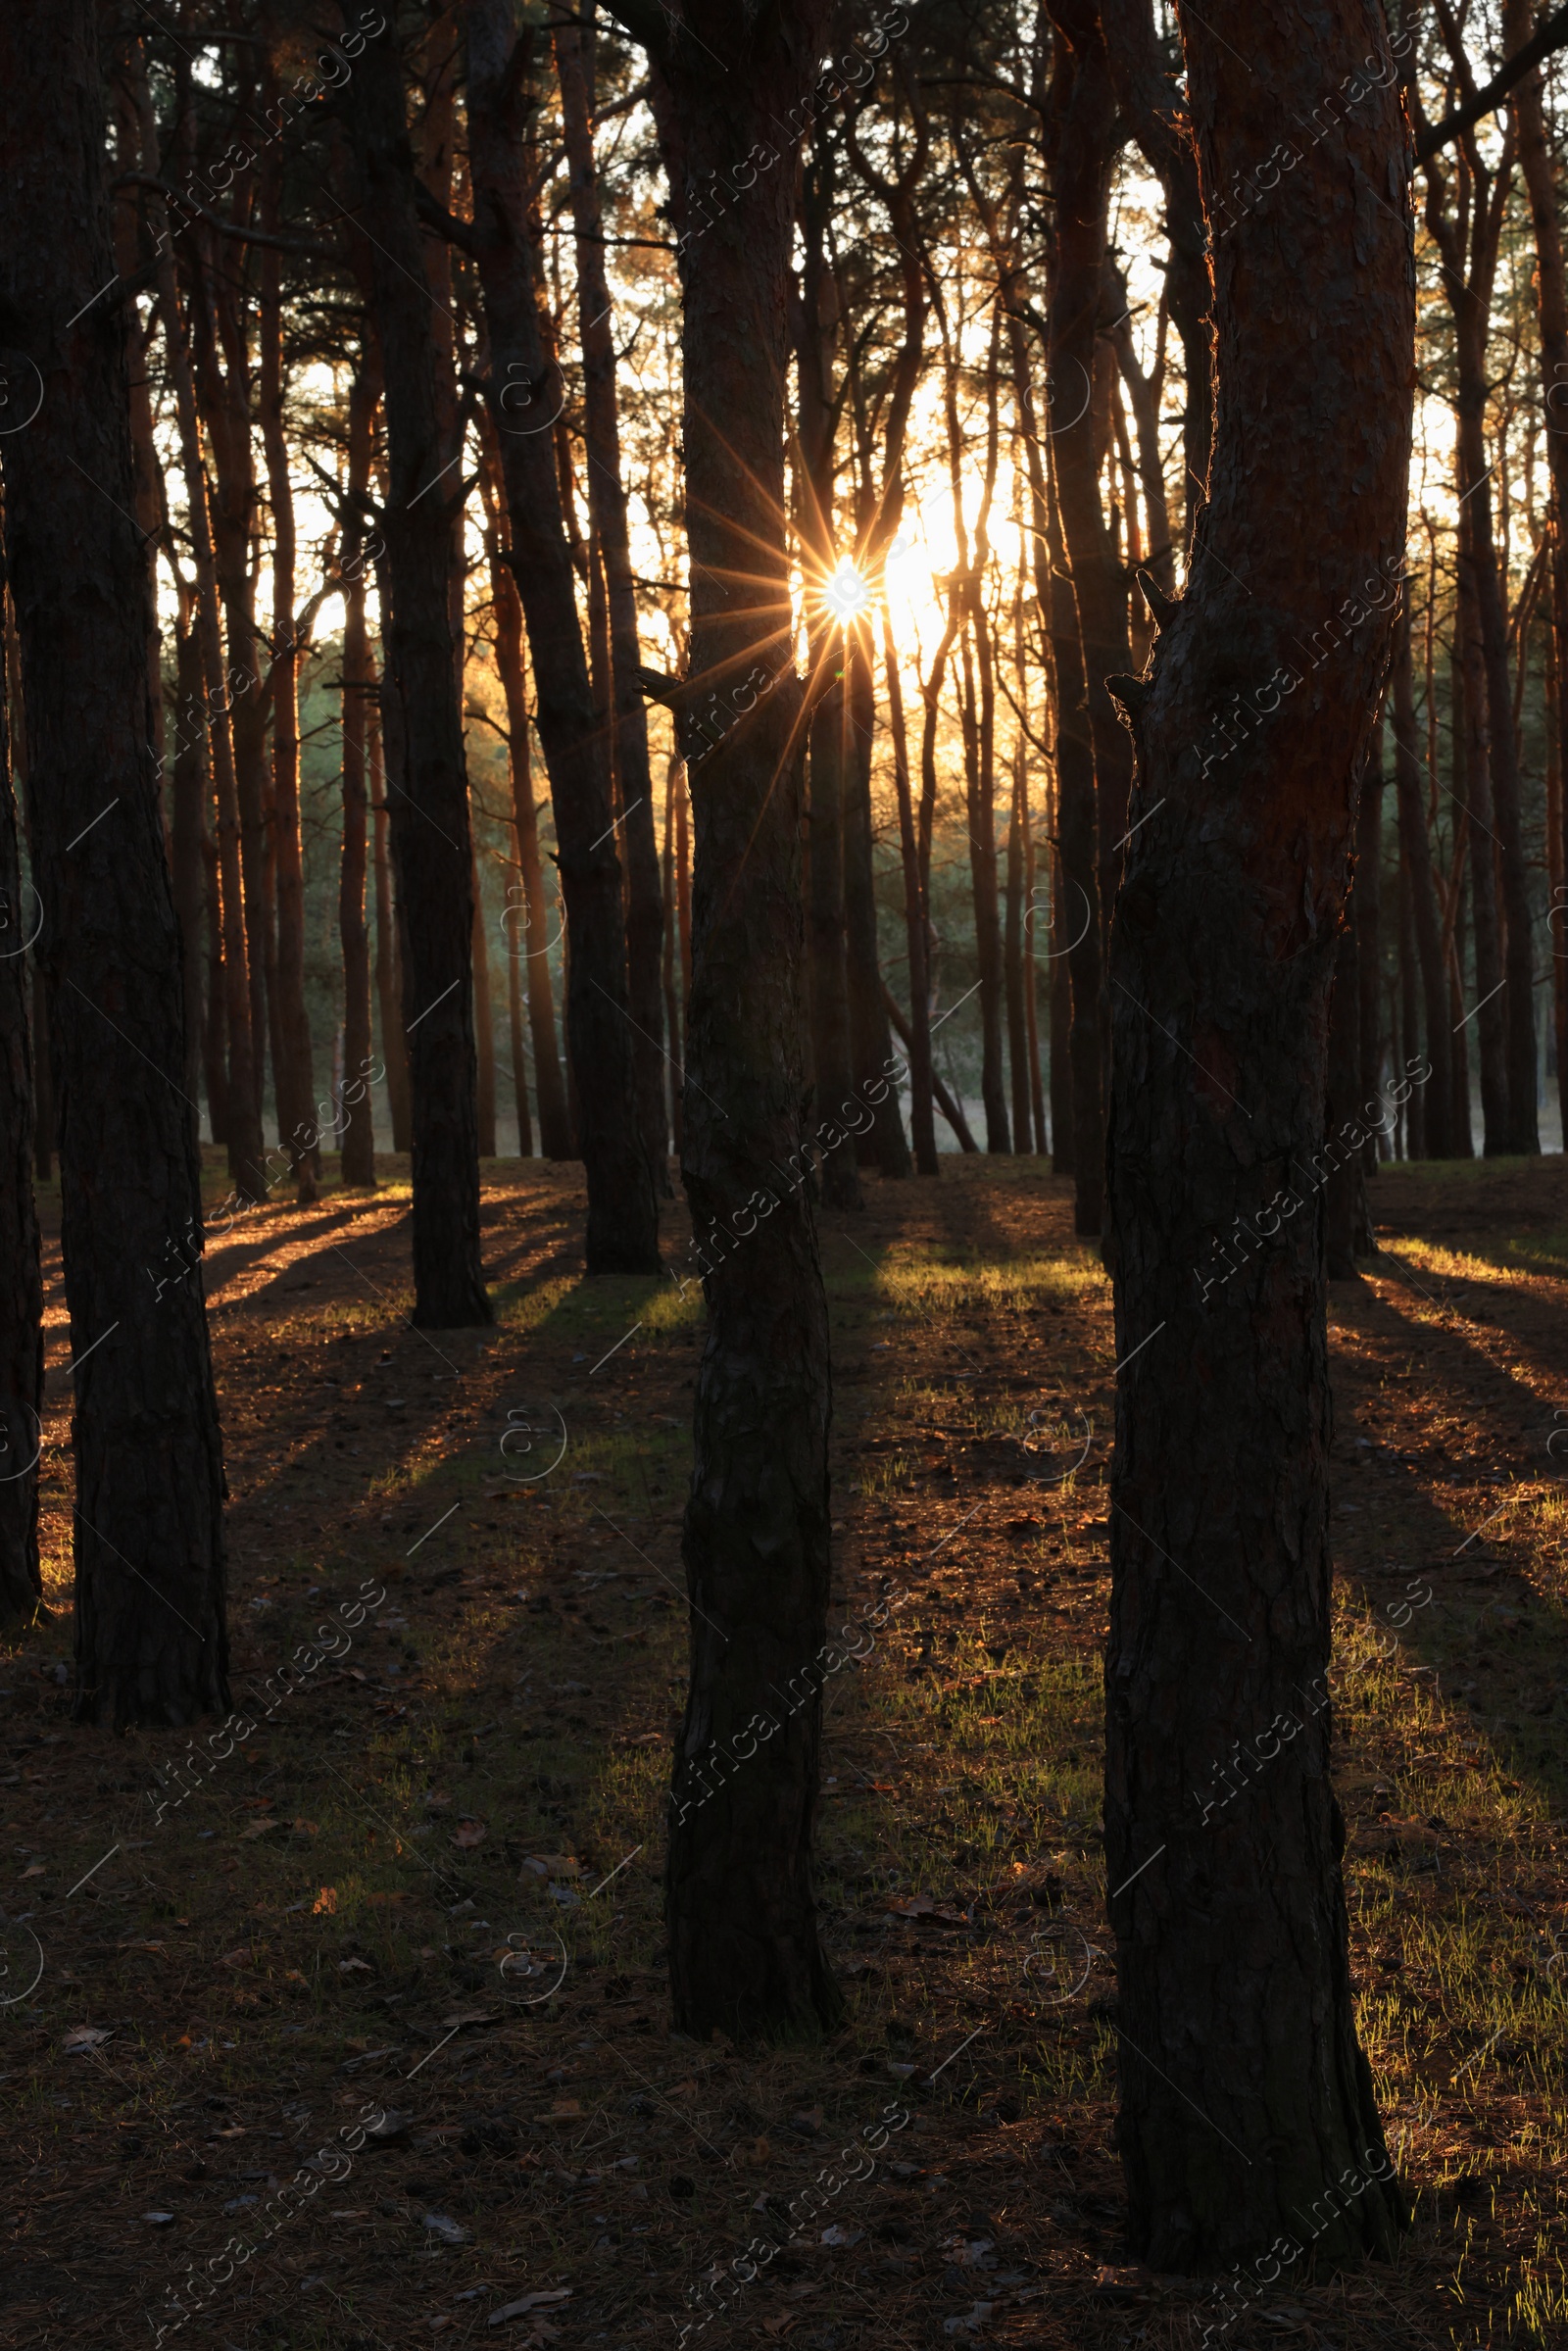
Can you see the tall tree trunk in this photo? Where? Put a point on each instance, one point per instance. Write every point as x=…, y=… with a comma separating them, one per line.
x=519, y=1065
x=922, y=1121
x=151, y=1642
x=1410, y=1022
x=550, y=1092
x=1017, y=1025
x=217, y=313
x=607, y=498
x=1087, y=139
x=1487, y=1013
x=429, y=796
x=293, y=1074
x=1368, y=935
x=1075, y=913
x=745, y=1952
x=674, y=781
x=813, y=307
x=525, y=395
x=1345, y=1222
x=484, y=1025
x=21, y=1278
x=189, y=787
x=871, y=1045
x=388, y=957
x=1556, y=863
x=241, y=1081
x=1415, y=851
x=1244, y=2095
x=357, y=1164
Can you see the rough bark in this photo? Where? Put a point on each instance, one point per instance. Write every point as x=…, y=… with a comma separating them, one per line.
x=428, y=783
x=1243, y=2094
x=388, y=957
x=151, y=1643
x=745, y=1952
x=525, y=392
x=1075, y=910
x=189, y=787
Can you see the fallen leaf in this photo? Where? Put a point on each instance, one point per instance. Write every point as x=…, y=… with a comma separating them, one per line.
x=470, y=2016
x=325, y=1902
x=552, y=1865
x=241, y=1957
x=255, y=1829
x=517, y=2309
x=842, y=2236
x=292, y=1976
x=85, y=2036
x=161, y=1949
x=34, y=1869
x=915, y=1906
x=566, y=2106
x=355, y=1967
x=159, y=2220
x=470, y=1833
x=751, y=2152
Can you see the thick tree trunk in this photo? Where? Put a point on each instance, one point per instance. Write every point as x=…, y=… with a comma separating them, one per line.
x=21, y=1280
x=1488, y=1014
x=1245, y=2097
x=293, y=1074
x=151, y=1643
x=429, y=796
x=525, y=395
x=745, y=1952
x=607, y=498
x=484, y=1025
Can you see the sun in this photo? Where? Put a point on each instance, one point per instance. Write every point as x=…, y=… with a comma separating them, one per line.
x=848, y=594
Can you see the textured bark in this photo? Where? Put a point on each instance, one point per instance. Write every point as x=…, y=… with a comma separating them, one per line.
x=293, y=1074
x=150, y=1644
x=1369, y=938
x=21, y=1280
x=978, y=712
x=484, y=1025
x=357, y=1166
x=606, y=500
x=745, y=1952
x=526, y=389
x=1415, y=852
x=1243, y=2094
x=1017, y=1024
x=420, y=688
x=1488, y=1014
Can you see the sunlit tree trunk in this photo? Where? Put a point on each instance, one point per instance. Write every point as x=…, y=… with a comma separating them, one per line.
x=358, y=1142
x=1245, y=2098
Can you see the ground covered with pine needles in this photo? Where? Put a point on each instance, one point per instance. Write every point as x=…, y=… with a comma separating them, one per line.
x=426, y=1887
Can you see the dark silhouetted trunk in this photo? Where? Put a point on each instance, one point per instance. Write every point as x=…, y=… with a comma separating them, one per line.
x=1347, y=1225
x=526, y=393
x=1415, y=854
x=1246, y=2102
x=1370, y=936
x=484, y=1025
x=190, y=785
x=923, y=1123
x=151, y=1643
x=1087, y=138
x=293, y=1074
x=674, y=782
x=21, y=1280
x=427, y=784
x=388, y=957
x=535, y=924
x=358, y=1131
x=744, y=1945
x=1486, y=1016
x=1075, y=911
x=607, y=499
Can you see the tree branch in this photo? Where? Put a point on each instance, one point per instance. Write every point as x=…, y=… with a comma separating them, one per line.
x=1550, y=37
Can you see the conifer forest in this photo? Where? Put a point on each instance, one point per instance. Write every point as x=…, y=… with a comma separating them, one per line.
x=783, y=1253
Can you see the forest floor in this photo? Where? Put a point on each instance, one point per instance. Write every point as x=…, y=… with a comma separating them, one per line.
x=316, y=1933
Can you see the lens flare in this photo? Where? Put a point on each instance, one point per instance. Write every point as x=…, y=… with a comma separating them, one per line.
x=847, y=594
